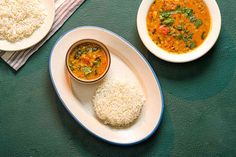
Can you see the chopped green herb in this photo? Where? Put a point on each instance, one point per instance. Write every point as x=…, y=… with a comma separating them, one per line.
x=192, y=45
x=188, y=12
x=178, y=8
x=172, y=32
x=86, y=70
x=78, y=54
x=185, y=39
x=190, y=36
x=186, y=31
x=164, y=15
x=180, y=27
x=180, y=36
x=97, y=61
x=192, y=19
x=71, y=67
x=81, y=51
x=198, y=23
x=178, y=11
x=168, y=22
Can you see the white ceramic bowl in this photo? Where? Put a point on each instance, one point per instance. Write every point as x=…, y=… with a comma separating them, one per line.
x=102, y=46
x=186, y=57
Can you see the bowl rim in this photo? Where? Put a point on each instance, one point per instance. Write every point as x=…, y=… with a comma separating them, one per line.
x=107, y=52
x=185, y=57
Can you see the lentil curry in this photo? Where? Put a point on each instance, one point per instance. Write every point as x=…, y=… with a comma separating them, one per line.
x=178, y=26
x=88, y=61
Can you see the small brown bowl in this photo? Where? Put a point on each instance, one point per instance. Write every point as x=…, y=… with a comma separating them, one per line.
x=100, y=45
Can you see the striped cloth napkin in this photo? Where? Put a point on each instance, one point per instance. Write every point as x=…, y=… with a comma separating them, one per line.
x=64, y=9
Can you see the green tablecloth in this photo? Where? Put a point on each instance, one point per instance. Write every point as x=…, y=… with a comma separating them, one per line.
x=200, y=97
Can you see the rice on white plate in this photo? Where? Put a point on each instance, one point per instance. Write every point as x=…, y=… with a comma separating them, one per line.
x=118, y=103
x=19, y=19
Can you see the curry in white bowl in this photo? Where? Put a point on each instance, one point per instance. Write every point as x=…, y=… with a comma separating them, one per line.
x=178, y=26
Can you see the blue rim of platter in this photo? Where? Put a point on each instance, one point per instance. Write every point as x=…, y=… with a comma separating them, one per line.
x=145, y=60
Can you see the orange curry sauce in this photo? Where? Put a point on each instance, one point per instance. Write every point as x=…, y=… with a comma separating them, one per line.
x=88, y=61
x=178, y=26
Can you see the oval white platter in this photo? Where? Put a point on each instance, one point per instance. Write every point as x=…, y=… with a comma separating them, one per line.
x=38, y=35
x=127, y=64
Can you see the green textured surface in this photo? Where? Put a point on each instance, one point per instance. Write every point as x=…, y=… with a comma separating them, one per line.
x=200, y=109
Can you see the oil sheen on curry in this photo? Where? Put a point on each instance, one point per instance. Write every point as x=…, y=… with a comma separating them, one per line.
x=178, y=26
x=88, y=61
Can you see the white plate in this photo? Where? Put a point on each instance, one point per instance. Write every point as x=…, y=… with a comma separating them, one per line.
x=38, y=35
x=185, y=57
x=126, y=63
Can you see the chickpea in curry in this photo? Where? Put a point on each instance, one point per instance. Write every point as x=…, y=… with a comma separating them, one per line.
x=178, y=26
x=88, y=61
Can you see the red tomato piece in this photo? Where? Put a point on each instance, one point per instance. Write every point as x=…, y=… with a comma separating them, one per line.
x=165, y=30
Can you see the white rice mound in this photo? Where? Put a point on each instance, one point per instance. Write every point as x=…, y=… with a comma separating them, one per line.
x=118, y=103
x=19, y=19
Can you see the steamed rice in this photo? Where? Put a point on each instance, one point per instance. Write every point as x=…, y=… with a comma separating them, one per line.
x=117, y=103
x=19, y=19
